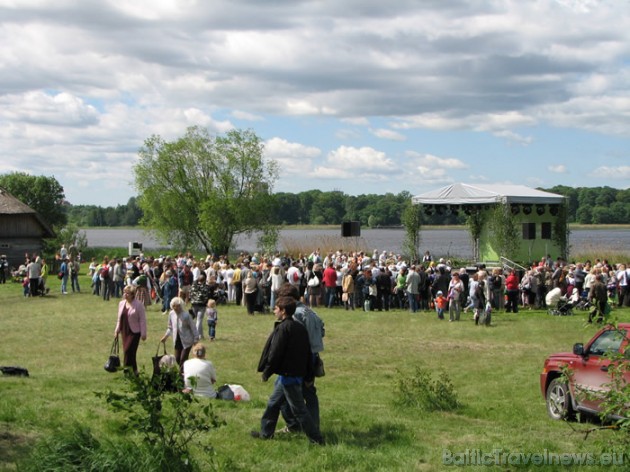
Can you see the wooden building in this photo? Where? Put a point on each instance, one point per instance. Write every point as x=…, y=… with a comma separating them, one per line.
x=22, y=229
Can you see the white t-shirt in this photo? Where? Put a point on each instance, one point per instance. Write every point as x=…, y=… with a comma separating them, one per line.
x=294, y=275
x=204, y=371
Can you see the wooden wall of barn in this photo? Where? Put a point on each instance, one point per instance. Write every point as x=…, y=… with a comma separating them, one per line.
x=20, y=234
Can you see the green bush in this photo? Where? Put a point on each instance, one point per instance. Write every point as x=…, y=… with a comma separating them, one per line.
x=168, y=420
x=420, y=390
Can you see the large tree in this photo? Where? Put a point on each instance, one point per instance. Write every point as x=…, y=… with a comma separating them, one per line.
x=43, y=194
x=203, y=189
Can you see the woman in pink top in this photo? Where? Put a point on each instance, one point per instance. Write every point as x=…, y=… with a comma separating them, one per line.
x=132, y=324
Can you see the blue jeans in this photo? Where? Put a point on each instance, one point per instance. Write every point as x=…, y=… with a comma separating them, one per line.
x=413, y=302
x=312, y=405
x=330, y=296
x=119, y=285
x=64, y=284
x=212, y=329
x=291, y=394
x=75, y=283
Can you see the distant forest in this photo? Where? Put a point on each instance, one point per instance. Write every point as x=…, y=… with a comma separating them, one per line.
x=587, y=205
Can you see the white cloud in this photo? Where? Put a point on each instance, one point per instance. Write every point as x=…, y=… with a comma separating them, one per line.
x=514, y=137
x=434, y=162
x=85, y=83
x=364, y=159
x=613, y=173
x=292, y=158
x=387, y=134
x=361, y=121
x=62, y=109
x=245, y=116
x=557, y=169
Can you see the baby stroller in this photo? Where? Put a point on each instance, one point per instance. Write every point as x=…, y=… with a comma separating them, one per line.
x=220, y=296
x=557, y=304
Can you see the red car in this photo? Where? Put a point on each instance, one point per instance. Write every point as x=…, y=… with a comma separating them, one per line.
x=588, y=366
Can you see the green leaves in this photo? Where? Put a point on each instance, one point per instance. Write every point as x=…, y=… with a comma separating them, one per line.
x=43, y=194
x=419, y=390
x=202, y=190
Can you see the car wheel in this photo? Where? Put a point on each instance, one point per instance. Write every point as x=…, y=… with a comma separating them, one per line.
x=559, y=406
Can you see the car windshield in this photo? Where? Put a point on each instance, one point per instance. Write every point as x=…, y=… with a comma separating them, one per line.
x=608, y=342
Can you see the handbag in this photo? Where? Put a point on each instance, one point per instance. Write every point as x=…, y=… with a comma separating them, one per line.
x=319, y=366
x=113, y=361
x=313, y=281
x=166, y=376
x=156, y=359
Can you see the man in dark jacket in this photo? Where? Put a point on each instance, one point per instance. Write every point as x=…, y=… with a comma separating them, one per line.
x=597, y=296
x=287, y=353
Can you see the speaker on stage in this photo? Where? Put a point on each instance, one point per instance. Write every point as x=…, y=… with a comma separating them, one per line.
x=350, y=229
x=529, y=230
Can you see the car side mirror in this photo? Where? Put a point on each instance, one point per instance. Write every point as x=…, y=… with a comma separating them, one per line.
x=578, y=349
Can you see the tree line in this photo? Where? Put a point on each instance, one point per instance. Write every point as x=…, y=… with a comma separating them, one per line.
x=585, y=205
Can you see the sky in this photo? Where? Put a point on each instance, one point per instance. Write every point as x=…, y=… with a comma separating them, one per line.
x=361, y=96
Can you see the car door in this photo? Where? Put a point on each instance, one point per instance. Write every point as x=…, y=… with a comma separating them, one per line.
x=591, y=372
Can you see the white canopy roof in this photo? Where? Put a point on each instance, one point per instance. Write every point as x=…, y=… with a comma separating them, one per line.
x=466, y=194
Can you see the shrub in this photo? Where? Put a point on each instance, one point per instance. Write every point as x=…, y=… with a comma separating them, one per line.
x=420, y=390
x=169, y=421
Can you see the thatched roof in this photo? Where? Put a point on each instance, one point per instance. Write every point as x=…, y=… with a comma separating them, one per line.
x=9, y=205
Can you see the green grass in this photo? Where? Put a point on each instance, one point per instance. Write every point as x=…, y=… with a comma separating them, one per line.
x=64, y=342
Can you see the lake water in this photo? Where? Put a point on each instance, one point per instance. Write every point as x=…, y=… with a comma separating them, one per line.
x=440, y=242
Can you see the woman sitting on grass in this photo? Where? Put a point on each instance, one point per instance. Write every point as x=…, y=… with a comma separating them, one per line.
x=202, y=371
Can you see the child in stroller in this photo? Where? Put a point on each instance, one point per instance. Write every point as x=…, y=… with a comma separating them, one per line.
x=557, y=304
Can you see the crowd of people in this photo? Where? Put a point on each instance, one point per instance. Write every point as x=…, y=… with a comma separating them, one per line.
x=379, y=281
x=293, y=287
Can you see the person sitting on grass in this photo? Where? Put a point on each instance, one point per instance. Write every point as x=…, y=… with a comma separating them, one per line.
x=202, y=371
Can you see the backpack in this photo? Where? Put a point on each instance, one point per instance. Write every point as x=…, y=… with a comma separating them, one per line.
x=105, y=272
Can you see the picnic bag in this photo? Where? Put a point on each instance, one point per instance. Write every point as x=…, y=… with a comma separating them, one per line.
x=113, y=361
x=165, y=372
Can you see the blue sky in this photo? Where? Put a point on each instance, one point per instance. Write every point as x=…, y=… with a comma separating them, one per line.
x=361, y=96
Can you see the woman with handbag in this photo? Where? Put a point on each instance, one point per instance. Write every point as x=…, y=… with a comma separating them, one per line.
x=183, y=328
x=132, y=324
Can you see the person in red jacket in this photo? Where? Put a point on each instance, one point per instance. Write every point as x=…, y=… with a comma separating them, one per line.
x=330, y=283
x=511, y=287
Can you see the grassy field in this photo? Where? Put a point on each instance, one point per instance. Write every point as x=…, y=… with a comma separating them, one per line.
x=64, y=341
